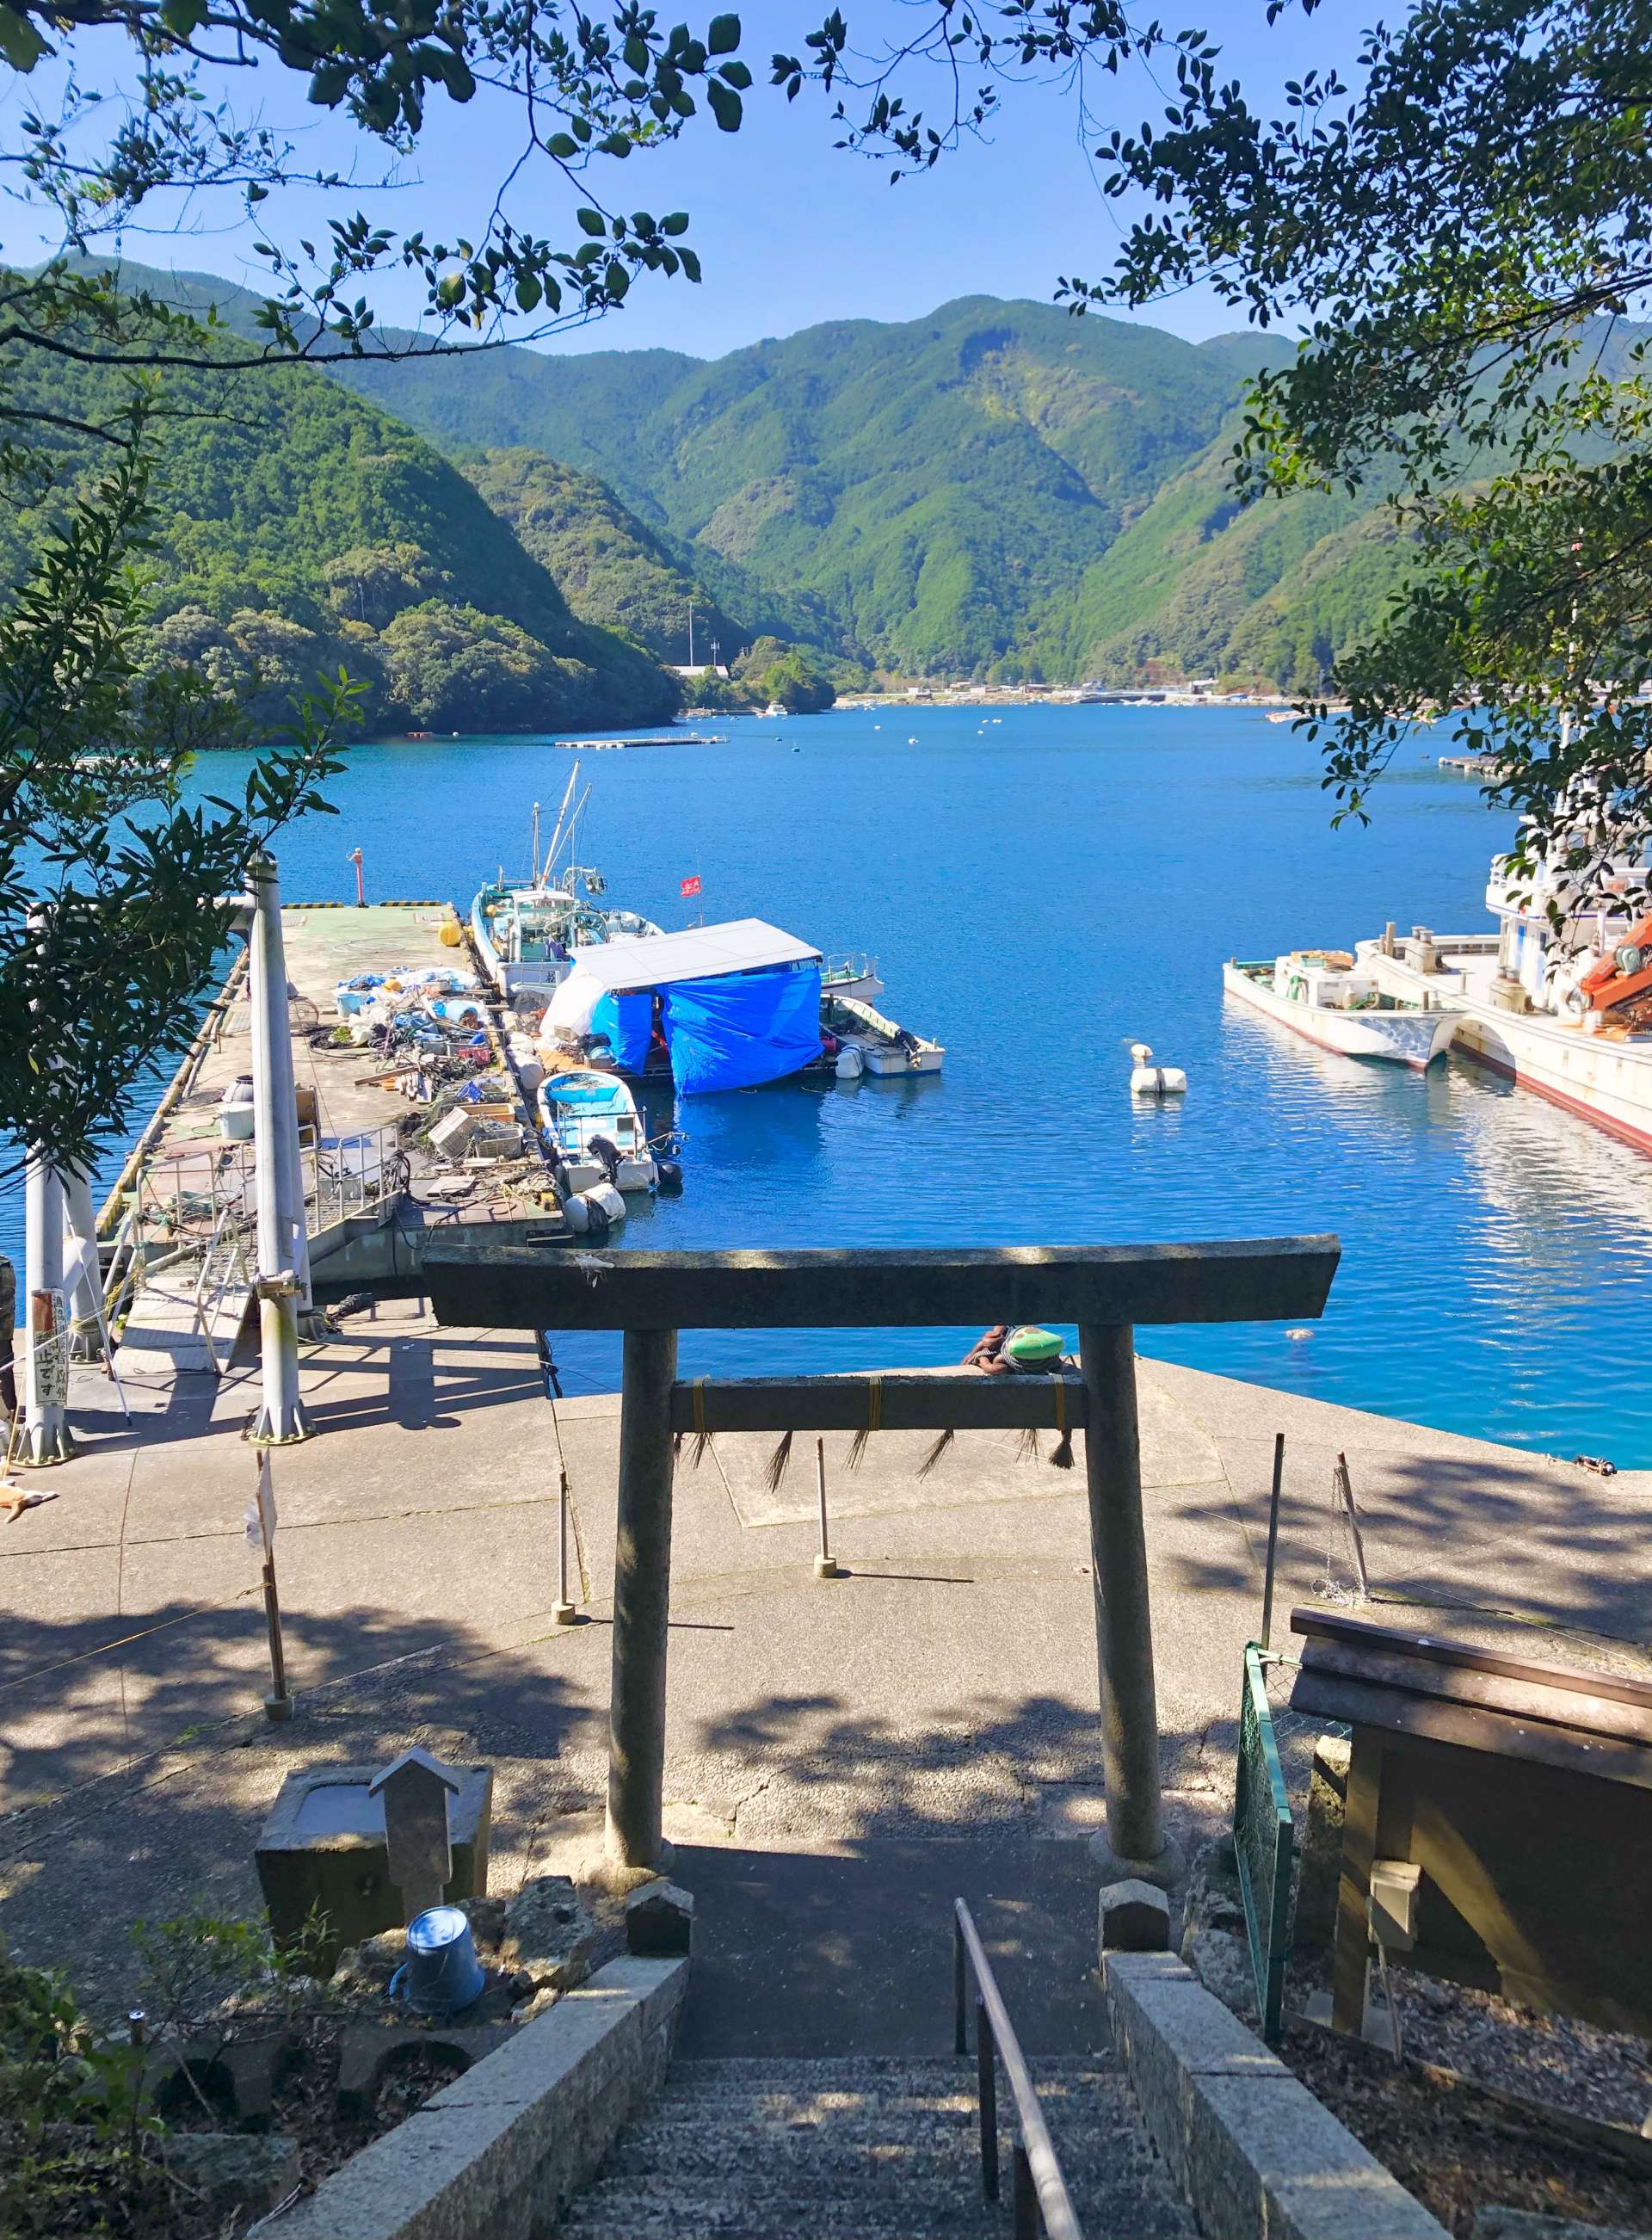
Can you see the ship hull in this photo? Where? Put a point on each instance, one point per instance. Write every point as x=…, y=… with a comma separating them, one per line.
x=1606, y=1082
x=1409, y=1038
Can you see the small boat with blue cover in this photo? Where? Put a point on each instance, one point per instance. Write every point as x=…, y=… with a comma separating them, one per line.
x=592, y=1126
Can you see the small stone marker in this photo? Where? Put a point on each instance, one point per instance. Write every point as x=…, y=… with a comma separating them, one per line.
x=1133, y=1916
x=659, y=1922
x=416, y=1790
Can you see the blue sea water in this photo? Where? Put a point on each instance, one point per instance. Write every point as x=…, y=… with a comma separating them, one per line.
x=1040, y=891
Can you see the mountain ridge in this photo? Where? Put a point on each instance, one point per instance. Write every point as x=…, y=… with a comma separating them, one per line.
x=993, y=489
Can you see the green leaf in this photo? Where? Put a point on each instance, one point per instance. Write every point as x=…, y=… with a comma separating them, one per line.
x=591, y=222
x=183, y=18
x=329, y=84
x=725, y=105
x=736, y=74
x=529, y=293
x=20, y=42
x=677, y=223
x=563, y=146
x=724, y=36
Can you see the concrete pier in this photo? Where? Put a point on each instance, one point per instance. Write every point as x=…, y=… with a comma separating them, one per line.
x=190, y=1168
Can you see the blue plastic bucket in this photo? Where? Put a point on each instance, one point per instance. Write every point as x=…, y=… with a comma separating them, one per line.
x=442, y=1974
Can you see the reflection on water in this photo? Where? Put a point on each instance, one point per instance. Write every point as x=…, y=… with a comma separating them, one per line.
x=1039, y=898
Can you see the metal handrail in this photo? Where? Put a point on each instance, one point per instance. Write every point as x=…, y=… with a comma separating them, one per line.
x=1041, y=2193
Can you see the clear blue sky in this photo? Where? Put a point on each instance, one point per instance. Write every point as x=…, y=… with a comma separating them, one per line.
x=790, y=231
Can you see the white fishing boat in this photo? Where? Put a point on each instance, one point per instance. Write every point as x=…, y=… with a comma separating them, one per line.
x=853, y=974
x=528, y=936
x=528, y=932
x=1561, y=1004
x=590, y=1121
x=883, y=1047
x=1323, y=996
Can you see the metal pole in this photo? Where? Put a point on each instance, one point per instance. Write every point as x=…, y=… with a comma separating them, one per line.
x=278, y=1703
x=825, y=1563
x=960, y=2039
x=360, y=886
x=290, y=1174
x=987, y=2093
x=642, y=1600
x=562, y=1611
x=46, y=1437
x=1135, y=1842
x=1344, y=1485
x=1025, y=2225
x=86, y=1296
x=1273, y=1541
x=281, y=1416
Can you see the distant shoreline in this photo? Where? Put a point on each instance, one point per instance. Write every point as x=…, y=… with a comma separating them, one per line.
x=1157, y=697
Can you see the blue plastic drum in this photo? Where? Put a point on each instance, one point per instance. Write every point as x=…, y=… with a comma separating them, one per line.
x=442, y=1974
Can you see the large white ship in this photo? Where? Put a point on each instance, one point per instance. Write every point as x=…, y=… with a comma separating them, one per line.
x=1559, y=997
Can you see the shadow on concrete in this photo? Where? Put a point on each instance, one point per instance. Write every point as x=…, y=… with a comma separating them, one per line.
x=80, y=1698
x=848, y=1948
x=1546, y=1544
x=798, y=1954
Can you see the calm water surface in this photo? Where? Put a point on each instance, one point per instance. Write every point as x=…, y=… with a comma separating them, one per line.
x=1040, y=892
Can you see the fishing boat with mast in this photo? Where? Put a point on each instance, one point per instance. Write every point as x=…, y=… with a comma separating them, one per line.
x=527, y=932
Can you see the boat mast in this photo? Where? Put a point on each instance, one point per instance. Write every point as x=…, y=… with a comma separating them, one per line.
x=556, y=837
x=533, y=873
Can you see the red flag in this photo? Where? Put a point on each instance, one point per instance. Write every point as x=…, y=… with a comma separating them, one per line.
x=691, y=886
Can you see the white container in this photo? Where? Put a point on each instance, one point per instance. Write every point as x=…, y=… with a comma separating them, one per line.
x=453, y=1131
x=577, y=1210
x=235, y=1111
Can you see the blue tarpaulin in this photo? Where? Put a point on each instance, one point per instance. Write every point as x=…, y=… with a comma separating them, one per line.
x=741, y=1028
x=626, y=1020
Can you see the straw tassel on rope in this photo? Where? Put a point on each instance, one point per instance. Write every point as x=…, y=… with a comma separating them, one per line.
x=1062, y=1456
x=874, y=1421
x=778, y=1462
x=702, y=1436
x=933, y=1457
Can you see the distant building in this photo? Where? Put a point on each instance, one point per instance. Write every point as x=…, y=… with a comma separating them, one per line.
x=699, y=669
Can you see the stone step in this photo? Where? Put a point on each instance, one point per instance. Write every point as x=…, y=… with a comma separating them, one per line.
x=902, y=2069
x=941, y=2082
x=1083, y=2121
x=621, y=2209
x=866, y=2149
x=710, y=2211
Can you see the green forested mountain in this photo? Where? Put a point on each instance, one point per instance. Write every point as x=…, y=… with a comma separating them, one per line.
x=942, y=488
x=995, y=489
x=302, y=527
x=616, y=571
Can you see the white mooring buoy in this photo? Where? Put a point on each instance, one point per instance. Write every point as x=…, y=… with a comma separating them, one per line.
x=1149, y=1080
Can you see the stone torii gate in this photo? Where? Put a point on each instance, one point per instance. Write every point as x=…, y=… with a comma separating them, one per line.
x=1106, y=1289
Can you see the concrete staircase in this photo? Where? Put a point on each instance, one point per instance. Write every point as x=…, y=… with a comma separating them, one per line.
x=874, y=2149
